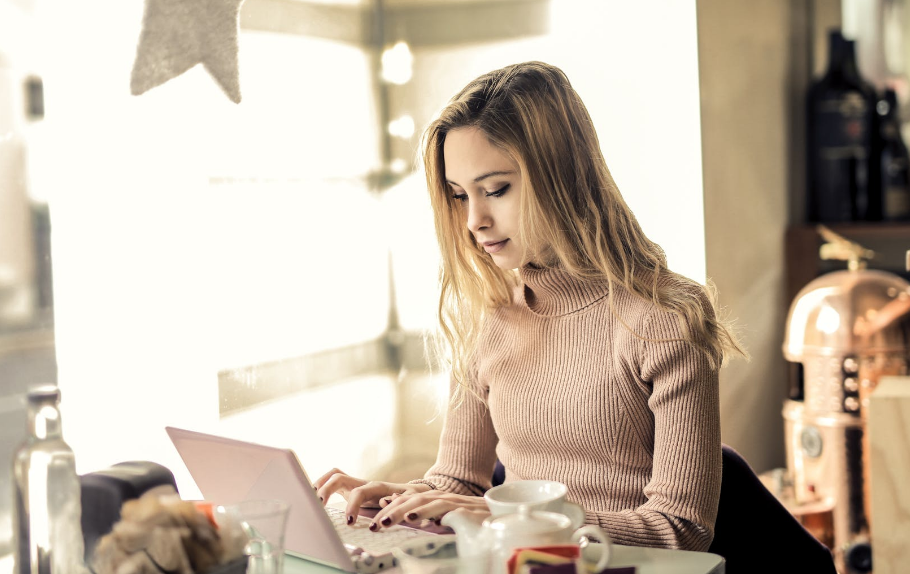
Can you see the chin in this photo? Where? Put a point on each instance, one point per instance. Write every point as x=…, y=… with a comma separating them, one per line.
x=506, y=265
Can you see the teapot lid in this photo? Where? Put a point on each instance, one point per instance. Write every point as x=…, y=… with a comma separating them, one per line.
x=530, y=522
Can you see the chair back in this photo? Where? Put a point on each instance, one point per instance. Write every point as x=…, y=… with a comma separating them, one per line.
x=754, y=532
x=499, y=474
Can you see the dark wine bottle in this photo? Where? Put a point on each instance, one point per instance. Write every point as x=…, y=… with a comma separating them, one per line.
x=894, y=161
x=842, y=172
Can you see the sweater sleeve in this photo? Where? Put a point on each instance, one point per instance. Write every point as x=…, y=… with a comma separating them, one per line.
x=467, y=448
x=684, y=489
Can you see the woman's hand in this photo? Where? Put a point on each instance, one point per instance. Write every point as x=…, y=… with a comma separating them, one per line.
x=361, y=493
x=427, y=505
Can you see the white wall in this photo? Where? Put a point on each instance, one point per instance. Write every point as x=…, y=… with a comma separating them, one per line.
x=635, y=64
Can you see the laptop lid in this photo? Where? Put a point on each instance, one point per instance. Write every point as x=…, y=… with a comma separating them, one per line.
x=228, y=470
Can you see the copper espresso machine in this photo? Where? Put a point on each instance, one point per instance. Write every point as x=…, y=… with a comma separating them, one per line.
x=847, y=328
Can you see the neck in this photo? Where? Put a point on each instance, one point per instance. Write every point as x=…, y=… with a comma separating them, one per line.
x=554, y=291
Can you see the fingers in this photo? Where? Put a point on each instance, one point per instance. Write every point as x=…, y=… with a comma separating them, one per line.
x=368, y=492
x=385, y=500
x=360, y=493
x=425, y=506
x=340, y=483
x=412, y=509
x=322, y=479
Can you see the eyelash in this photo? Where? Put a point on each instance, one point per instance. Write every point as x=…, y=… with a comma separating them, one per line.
x=463, y=197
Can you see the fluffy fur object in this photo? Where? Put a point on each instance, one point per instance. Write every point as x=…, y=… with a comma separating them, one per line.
x=159, y=532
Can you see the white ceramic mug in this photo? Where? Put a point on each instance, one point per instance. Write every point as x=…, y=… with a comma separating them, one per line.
x=546, y=495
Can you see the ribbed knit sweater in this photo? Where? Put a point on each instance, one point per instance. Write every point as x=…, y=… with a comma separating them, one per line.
x=630, y=425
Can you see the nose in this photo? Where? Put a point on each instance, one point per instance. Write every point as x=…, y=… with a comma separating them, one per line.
x=478, y=216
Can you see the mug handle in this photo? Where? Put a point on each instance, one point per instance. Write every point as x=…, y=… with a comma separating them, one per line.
x=597, y=533
x=575, y=513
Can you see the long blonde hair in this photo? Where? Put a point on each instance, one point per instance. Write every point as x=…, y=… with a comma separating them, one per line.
x=569, y=203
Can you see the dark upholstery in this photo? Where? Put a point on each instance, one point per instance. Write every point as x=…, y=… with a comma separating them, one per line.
x=754, y=532
x=105, y=491
x=499, y=474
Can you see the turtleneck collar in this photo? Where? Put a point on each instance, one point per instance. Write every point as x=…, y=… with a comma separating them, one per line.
x=553, y=292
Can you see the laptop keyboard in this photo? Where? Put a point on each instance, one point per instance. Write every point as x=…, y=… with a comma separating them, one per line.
x=359, y=535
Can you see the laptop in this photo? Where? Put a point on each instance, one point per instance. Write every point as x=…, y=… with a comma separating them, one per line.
x=228, y=470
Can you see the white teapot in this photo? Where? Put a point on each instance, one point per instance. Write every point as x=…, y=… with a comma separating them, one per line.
x=499, y=536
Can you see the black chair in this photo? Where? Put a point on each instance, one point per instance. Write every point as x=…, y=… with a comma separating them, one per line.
x=754, y=532
x=499, y=474
x=105, y=491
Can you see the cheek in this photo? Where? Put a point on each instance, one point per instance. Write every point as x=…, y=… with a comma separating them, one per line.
x=511, y=213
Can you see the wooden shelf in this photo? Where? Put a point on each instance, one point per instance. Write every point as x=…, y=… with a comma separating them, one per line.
x=884, y=229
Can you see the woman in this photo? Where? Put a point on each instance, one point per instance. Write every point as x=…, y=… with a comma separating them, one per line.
x=576, y=354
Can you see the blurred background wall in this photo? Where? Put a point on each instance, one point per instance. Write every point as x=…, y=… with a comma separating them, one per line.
x=755, y=65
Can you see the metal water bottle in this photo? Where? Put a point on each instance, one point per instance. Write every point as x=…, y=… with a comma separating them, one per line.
x=47, y=501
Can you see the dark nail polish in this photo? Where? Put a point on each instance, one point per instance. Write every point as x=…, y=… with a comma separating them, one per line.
x=386, y=521
x=374, y=527
x=412, y=516
x=350, y=519
x=320, y=499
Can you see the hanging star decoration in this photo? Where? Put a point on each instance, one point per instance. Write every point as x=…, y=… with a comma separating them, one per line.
x=178, y=34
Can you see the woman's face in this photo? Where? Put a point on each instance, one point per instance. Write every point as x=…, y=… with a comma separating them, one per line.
x=488, y=185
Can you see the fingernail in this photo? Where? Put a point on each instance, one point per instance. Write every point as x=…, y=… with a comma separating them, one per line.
x=320, y=499
x=386, y=521
x=350, y=519
x=412, y=516
x=374, y=527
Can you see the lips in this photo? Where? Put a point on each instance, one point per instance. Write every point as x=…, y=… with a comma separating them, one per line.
x=494, y=246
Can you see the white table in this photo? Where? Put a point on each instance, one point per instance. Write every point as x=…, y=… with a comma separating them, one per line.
x=645, y=560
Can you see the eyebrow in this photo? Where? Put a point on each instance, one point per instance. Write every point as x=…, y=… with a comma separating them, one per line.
x=480, y=178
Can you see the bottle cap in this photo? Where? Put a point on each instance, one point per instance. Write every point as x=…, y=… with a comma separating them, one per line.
x=43, y=393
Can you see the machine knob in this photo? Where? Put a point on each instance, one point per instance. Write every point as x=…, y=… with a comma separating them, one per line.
x=811, y=441
x=858, y=558
x=851, y=365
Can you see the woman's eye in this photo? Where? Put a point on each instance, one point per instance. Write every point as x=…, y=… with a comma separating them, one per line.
x=462, y=197
x=499, y=192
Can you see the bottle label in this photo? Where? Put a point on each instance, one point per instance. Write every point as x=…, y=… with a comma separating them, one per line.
x=897, y=202
x=896, y=186
x=840, y=158
x=843, y=127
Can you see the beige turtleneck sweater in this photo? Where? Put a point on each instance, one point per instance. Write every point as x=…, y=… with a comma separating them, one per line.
x=632, y=427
